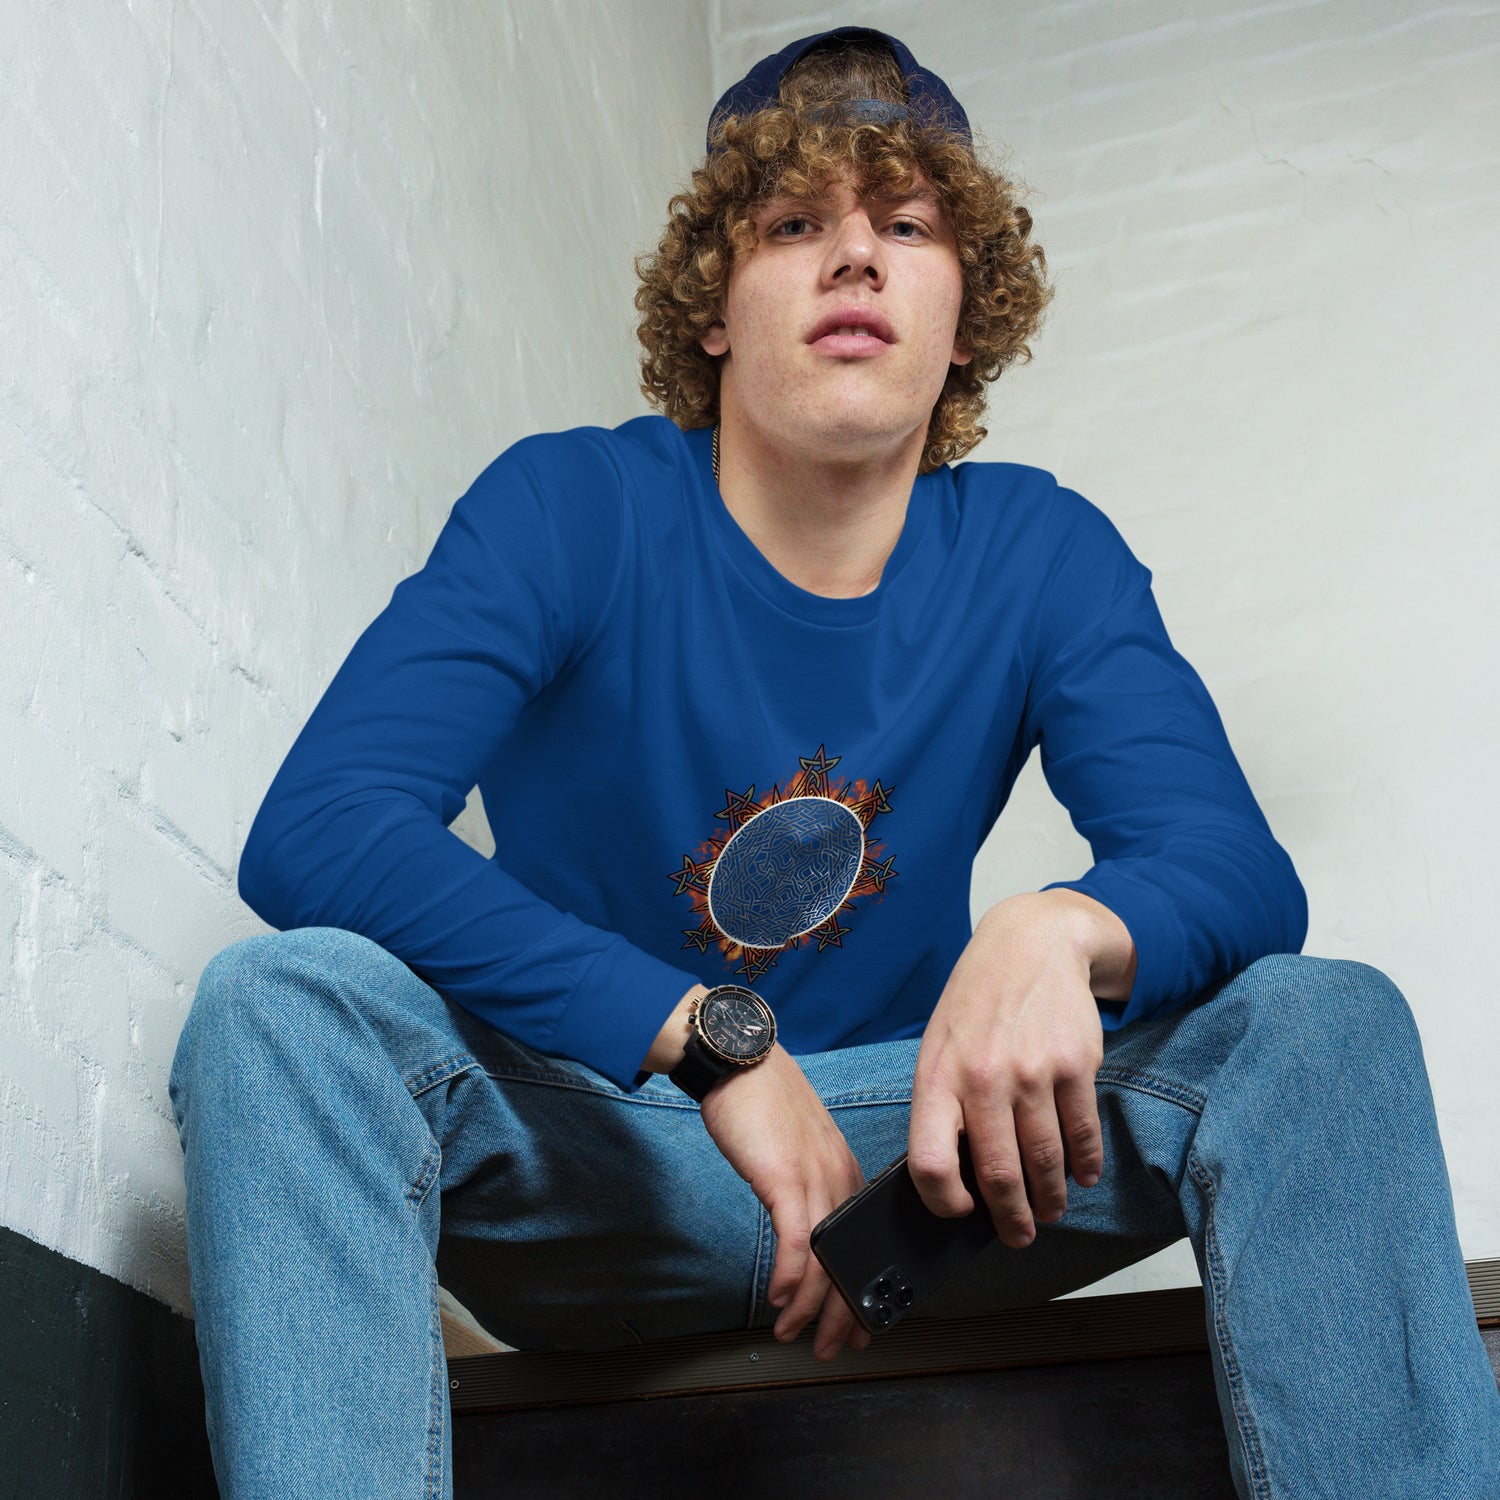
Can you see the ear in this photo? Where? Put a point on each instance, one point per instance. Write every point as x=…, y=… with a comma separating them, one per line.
x=960, y=355
x=715, y=339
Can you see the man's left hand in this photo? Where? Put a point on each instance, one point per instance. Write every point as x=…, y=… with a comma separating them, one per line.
x=1009, y=1056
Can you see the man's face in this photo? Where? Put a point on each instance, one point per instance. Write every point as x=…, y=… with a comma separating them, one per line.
x=885, y=270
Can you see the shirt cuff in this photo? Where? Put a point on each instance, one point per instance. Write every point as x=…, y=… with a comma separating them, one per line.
x=618, y=1008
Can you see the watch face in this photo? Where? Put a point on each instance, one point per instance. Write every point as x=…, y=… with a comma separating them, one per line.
x=737, y=1023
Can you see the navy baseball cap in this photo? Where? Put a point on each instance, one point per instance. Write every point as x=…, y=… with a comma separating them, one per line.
x=931, y=101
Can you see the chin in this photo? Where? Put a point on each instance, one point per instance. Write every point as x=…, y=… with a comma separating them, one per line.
x=856, y=435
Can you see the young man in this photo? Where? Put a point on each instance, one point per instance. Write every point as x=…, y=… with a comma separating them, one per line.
x=760, y=678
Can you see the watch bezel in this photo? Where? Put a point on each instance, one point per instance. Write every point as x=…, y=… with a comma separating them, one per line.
x=718, y=993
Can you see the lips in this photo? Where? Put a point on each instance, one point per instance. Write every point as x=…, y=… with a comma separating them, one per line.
x=865, y=322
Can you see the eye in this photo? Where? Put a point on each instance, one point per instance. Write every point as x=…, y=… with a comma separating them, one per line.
x=793, y=227
x=907, y=229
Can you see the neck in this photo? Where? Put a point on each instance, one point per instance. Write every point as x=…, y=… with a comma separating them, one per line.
x=826, y=522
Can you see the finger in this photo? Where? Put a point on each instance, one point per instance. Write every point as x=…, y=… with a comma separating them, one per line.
x=1039, y=1137
x=811, y=1293
x=1078, y=1113
x=932, y=1155
x=834, y=1327
x=792, y=1255
x=997, y=1171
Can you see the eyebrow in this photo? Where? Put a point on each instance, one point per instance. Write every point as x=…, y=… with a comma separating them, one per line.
x=925, y=196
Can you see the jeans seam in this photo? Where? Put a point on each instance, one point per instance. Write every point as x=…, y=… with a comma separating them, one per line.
x=417, y=1193
x=439, y=1072
x=582, y=1086
x=1214, y=1284
x=434, y=1486
x=762, y=1223
x=863, y=1100
x=449, y=1067
x=1149, y=1083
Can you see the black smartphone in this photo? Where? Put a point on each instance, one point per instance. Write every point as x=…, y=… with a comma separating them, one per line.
x=885, y=1250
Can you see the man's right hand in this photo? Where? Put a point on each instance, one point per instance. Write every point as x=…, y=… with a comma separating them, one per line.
x=777, y=1134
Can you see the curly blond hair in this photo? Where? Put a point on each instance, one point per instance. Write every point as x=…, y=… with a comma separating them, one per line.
x=794, y=147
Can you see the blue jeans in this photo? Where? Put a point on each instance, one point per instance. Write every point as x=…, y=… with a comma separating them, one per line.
x=351, y=1138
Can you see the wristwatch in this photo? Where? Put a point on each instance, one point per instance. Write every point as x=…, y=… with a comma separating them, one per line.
x=731, y=1027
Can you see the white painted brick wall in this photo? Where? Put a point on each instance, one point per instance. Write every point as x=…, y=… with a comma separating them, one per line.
x=276, y=282
x=1272, y=361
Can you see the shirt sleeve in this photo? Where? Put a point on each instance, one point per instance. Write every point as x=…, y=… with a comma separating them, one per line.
x=353, y=832
x=1132, y=745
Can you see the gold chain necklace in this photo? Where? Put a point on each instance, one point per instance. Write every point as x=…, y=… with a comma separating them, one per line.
x=716, y=452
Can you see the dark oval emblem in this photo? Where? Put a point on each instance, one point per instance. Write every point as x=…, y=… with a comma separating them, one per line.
x=786, y=871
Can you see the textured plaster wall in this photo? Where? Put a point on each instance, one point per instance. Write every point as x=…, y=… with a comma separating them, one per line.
x=277, y=280
x=1271, y=360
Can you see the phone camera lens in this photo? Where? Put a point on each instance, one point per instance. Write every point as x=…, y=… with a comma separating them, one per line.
x=903, y=1296
x=883, y=1287
x=882, y=1316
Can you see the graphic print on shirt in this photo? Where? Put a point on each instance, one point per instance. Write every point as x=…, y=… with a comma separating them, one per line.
x=788, y=864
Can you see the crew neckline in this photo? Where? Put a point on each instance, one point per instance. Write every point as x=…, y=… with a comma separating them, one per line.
x=757, y=570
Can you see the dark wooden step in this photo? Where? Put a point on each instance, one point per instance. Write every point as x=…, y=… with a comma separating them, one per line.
x=1083, y=1397
x=1129, y=1429
x=1065, y=1331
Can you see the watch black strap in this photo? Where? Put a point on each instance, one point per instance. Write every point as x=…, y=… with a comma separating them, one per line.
x=699, y=1069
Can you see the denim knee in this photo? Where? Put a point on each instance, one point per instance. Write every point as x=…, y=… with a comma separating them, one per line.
x=264, y=991
x=1324, y=1006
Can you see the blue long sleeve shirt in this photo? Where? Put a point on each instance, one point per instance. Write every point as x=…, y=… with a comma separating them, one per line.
x=696, y=771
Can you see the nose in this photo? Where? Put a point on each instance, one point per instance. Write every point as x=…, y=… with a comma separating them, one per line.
x=855, y=253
